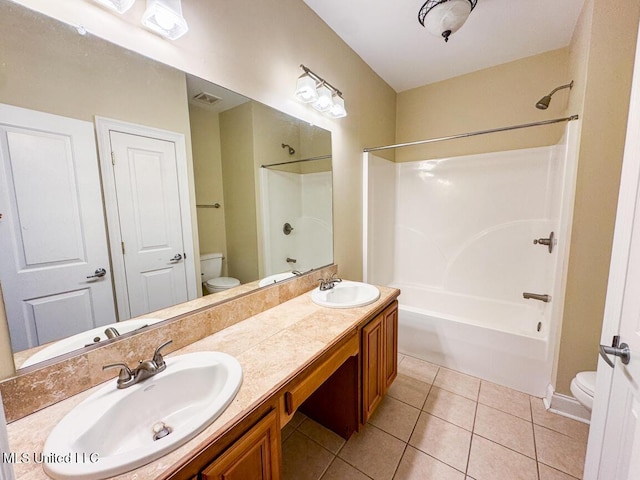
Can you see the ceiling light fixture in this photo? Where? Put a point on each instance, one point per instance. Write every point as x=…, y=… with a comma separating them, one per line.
x=444, y=17
x=165, y=18
x=322, y=96
x=119, y=6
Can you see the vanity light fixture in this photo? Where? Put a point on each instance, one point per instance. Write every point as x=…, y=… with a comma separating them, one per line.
x=165, y=18
x=322, y=96
x=119, y=6
x=444, y=17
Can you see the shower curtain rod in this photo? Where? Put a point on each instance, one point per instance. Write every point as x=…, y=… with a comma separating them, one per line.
x=472, y=134
x=321, y=157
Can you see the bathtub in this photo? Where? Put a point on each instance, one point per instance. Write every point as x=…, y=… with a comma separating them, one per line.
x=503, y=342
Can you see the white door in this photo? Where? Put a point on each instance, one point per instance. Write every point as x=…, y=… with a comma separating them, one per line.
x=148, y=197
x=52, y=229
x=614, y=440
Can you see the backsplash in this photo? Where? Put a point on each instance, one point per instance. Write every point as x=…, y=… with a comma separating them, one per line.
x=38, y=388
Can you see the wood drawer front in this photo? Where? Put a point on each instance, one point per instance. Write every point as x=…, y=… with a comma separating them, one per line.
x=295, y=396
x=255, y=456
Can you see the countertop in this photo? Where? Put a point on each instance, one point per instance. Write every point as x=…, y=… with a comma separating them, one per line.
x=272, y=347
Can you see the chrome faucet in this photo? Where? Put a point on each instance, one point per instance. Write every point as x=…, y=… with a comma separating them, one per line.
x=329, y=283
x=536, y=296
x=145, y=369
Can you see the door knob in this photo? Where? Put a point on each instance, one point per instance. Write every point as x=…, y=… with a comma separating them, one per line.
x=176, y=258
x=100, y=272
x=617, y=350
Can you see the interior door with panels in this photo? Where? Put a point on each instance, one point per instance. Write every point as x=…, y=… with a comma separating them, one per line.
x=54, y=270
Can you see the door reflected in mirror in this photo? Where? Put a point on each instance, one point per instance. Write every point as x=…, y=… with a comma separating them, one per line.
x=239, y=171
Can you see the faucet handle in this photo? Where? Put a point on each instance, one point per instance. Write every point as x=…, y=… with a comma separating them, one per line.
x=157, y=356
x=125, y=374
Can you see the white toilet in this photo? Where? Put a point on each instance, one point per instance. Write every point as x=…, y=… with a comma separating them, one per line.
x=211, y=269
x=583, y=387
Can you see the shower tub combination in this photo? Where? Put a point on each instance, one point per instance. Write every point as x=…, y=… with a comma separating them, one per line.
x=456, y=237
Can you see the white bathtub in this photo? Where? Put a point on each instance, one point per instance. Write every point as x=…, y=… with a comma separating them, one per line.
x=502, y=342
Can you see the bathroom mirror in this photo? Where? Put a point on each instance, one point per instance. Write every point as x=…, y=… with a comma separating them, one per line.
x=259, y=184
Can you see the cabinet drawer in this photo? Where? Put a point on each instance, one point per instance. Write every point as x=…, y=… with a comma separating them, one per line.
x=298, y=393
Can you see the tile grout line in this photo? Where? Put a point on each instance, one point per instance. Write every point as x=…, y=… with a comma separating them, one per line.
x=535, y=444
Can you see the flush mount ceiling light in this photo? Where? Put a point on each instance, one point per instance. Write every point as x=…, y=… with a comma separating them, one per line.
x=444, y=17
x=322, y=96
x=165, y=18
x=119, y=6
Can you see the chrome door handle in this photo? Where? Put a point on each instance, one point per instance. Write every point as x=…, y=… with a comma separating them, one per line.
x=621, y=351
x=176, y=258
x=100, y=272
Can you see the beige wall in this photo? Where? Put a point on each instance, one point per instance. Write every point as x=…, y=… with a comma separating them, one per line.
x=491, y=98
x=602, y=61
x=255, y=48
x=207, y=172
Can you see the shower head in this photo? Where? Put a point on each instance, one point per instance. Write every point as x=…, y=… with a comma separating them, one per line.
x=291, y=150
x=543, y=103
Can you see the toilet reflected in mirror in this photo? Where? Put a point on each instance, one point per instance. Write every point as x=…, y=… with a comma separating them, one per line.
x=211, y=268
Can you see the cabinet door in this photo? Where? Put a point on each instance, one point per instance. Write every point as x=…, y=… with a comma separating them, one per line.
x=256, y=456
x=391, y=345
x=372, y=366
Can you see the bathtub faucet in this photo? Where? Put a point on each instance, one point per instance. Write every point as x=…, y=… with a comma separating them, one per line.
x=329, y=283
x=536, y=296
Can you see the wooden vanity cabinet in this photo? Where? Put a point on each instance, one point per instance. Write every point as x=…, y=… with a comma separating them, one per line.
x=379, y=352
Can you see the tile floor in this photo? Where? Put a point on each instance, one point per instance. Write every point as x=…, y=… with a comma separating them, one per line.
x=440, y=424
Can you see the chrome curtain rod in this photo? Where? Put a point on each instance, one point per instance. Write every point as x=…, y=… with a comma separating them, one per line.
x=321, y=157
x=472, y=134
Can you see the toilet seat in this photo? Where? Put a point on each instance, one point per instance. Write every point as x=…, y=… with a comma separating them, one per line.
x=223, y=282
x=583, y=388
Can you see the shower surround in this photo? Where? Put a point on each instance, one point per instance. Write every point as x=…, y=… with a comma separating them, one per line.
x=456, y=235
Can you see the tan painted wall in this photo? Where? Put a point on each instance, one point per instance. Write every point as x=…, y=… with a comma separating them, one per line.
x=604, y=64
x=491, y=98
x=255, y=48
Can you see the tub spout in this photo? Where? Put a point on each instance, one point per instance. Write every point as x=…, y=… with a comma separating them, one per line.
x=536, y=296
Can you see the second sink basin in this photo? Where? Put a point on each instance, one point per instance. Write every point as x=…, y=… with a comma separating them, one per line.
x=346, y=294
x=114, y=431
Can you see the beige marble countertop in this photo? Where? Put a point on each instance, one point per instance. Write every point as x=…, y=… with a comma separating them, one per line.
x=272, y=347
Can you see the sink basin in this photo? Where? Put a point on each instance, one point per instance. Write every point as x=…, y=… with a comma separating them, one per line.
x=85, y=338
x=278, y=277
x=112, y=431
x=346, y=294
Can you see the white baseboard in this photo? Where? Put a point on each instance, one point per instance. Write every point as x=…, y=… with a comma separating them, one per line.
x=566, y=406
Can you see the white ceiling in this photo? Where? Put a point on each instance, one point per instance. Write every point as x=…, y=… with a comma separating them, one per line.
x=387, y=36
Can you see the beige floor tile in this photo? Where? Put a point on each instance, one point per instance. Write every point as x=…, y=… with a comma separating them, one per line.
x=507, y=430
x=418, y=369
x=395, y=417
x=505, y=399
x=297, y=419
x=442, y=440
x=451, y=407
x=341, y=470
x=286, y=431
x=553, y=421
x=417, y=465
x=409, y=390
x=560, y=451
x=548, y=473
x=457, y=382
x=374, y=452
x=490, y=461
x=325, y=437
x=303, y=459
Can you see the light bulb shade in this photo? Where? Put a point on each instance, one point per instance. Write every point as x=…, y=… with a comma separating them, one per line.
x=324, y=101
x=165, y=18
x=337, y=110
x=444, y=17
x=119, y=6
x=306, y=89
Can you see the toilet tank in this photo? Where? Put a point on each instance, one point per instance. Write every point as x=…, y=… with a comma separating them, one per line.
x=210, y=266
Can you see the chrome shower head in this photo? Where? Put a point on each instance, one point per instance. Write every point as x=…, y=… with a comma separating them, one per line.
x=543, y=103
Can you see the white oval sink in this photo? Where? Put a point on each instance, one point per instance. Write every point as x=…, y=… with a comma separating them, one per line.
x=346, y=294
x=85, y=338
x=112, y=431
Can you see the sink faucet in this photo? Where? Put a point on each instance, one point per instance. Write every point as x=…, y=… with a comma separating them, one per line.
x=145, y=369
x=329, y=283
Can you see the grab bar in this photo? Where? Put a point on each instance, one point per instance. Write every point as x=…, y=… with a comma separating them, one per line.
x=536, y=296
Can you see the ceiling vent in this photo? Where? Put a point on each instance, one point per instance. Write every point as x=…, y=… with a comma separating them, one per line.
x=206, y=98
